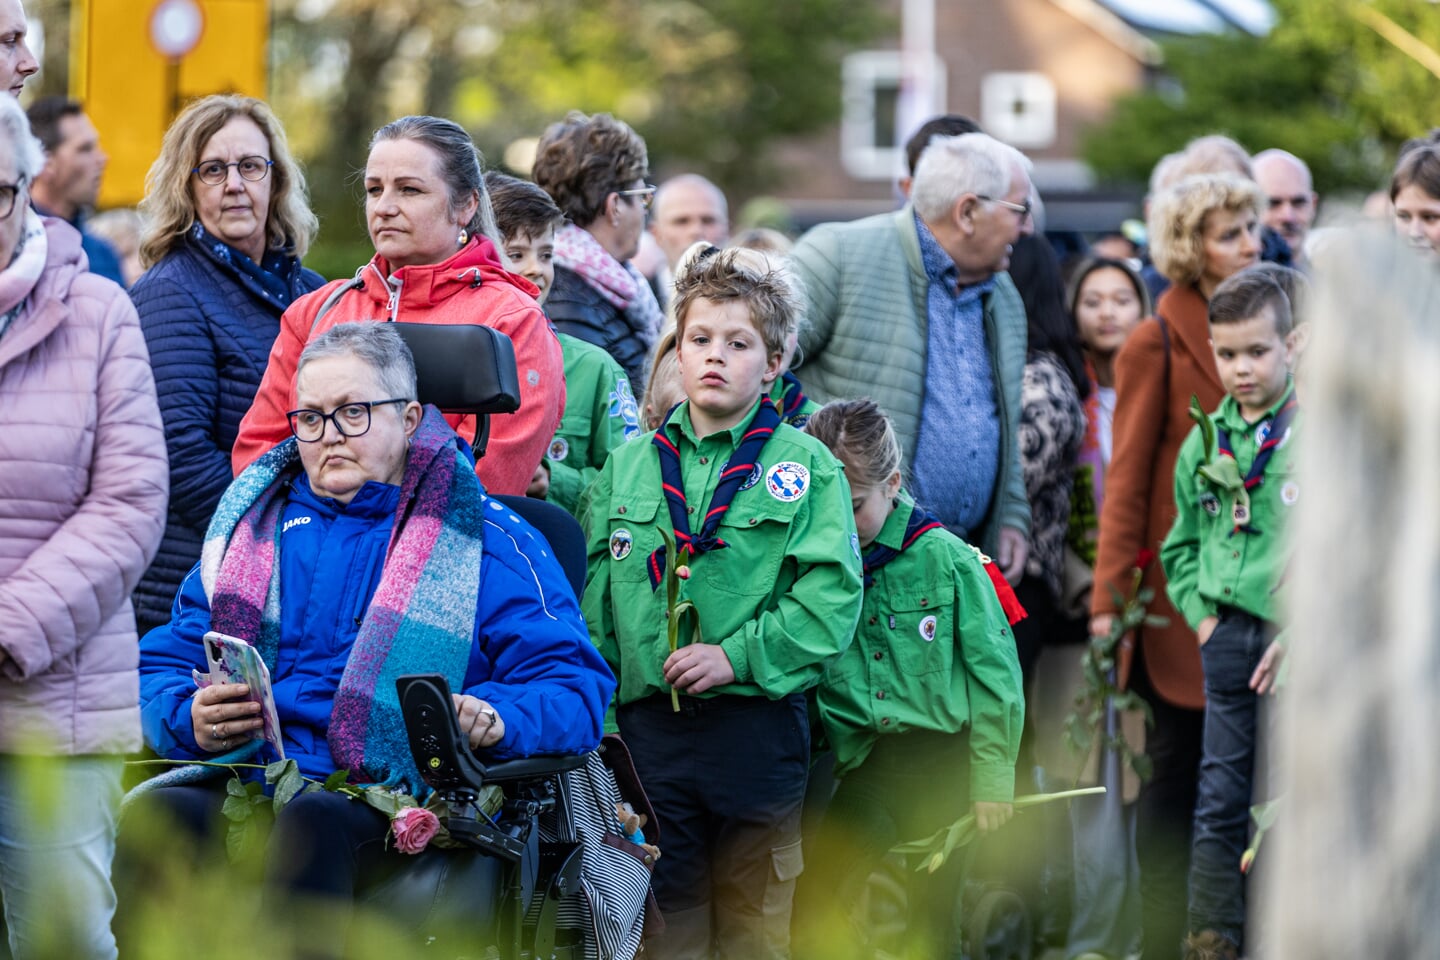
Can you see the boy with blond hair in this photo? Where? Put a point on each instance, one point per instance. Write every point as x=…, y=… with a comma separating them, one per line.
x=760, y=515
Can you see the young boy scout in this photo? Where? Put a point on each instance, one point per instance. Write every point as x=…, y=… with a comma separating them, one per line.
x=600, y=408
x=761, y=515
x=1235, y=485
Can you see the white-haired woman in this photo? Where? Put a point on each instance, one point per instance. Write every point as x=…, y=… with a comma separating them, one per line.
x=83, y=484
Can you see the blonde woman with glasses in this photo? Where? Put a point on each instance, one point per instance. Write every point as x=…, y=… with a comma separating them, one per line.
x=226, y=225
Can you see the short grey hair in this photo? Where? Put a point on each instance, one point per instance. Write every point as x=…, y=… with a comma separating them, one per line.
x=951, y=167
x=373, y=343
x=27, y=151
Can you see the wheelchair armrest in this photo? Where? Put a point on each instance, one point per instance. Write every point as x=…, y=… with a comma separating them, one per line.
x=442, y=753
x=527, y=768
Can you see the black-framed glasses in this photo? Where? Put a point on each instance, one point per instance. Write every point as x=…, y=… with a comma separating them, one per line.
x=645, y=193
x=8, y=193
x=216, y=171
x=1021, y=208
x=350, y=419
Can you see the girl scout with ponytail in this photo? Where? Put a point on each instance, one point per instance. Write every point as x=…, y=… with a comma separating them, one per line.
x=923, y=711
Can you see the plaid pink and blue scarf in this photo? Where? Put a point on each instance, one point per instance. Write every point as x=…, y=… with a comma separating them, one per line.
x=421, y=619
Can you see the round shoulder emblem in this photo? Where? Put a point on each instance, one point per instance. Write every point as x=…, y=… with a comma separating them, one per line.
x=927, y=628
x=1290, y=493
x=621, y=543
x=788, y=481
x=559, y=449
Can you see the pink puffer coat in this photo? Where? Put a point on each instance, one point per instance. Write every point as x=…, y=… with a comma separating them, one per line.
x=83, y=483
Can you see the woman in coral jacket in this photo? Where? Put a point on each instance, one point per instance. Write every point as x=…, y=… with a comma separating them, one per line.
x=437, y=260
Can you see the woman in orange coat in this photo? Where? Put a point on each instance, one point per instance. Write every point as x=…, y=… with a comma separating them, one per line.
x=437, y=260
x=1202, y=230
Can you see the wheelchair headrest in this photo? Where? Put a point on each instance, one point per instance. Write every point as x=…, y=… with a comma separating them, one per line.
x=463, y=368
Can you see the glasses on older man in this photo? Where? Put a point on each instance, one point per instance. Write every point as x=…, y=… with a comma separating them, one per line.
x=350, y=419
x=645, y=193
x=216, y=171
x=1021, y=208
x=8, y=193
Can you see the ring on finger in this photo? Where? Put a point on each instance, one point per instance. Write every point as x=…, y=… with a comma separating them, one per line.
x=215, y=731
x=490, y=715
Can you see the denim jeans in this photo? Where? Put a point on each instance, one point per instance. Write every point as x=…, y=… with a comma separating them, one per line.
x=1227, y=773
x=57, y=840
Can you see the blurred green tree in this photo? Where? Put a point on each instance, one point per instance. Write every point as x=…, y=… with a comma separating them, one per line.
x=1329, y=84
x=710, y=84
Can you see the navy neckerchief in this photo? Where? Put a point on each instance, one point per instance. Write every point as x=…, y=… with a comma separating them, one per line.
x=920, y=521
x=741, y=464
x=1271, y=432
x=792, y=400
x=275, y=279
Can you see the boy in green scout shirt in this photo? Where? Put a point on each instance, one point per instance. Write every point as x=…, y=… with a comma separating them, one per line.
x=924, y=711
x=600, y=408
x=1225, y=556
x=760, y=513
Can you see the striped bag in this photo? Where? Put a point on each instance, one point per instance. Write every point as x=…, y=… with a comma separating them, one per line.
x=612, y=908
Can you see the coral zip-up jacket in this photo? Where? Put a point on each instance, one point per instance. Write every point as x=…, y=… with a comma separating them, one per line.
x=470, y=287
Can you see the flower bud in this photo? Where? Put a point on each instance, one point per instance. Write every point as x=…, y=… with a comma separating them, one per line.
x=683, y=572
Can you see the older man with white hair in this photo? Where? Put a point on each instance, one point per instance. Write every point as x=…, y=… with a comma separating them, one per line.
x=1286, y=181
x=16, y=61
x=915, y=310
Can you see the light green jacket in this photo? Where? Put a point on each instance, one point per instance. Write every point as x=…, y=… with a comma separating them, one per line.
x=600, y=414
x=1205, y=565
x=781, y=600
x=933, y=651
x=865, y=332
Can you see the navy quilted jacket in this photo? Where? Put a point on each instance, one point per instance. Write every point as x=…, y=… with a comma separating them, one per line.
x=209, y=325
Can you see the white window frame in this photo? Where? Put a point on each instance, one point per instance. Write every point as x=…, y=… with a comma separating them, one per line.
x=861, y=74
x=996, y=94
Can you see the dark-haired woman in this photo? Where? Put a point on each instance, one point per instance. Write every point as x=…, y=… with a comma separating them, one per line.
x=437, y=260
x=1052, y=425
x=1415, y=194
x=595, y=169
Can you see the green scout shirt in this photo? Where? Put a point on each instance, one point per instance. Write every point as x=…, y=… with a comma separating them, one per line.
x=1205, y=565
x=781, y=600
x=933, y=651
x=600, y=414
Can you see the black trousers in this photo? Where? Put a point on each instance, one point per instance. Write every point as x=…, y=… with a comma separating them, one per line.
x=1164, y=815
x=726, y=777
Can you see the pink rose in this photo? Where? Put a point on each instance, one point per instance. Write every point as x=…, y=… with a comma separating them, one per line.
x=414, y=828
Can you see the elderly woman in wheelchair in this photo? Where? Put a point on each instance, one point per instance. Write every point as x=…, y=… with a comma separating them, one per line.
x=360, y=551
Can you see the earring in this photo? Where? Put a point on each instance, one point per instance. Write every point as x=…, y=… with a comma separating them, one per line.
x=464, y=237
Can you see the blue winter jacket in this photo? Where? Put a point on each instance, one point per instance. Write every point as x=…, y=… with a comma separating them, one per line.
x=209, y=326
x=532, y=658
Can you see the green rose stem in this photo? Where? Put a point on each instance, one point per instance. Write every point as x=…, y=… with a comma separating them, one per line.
x=675, y=608
x=945, y=841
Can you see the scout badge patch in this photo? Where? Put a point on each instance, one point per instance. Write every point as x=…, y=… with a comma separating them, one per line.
x=788, y=481
x=621, y=543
